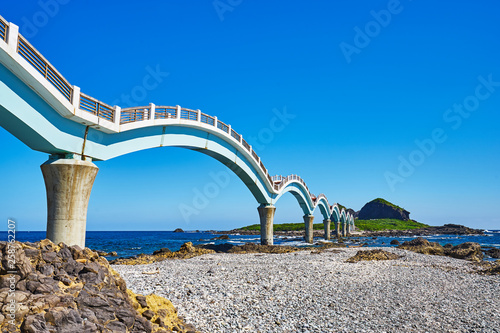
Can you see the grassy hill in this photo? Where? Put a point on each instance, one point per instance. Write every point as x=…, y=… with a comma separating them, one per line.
x=371, y=225
x=388, y=224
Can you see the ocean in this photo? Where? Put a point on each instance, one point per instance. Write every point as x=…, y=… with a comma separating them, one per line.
x=131, y=243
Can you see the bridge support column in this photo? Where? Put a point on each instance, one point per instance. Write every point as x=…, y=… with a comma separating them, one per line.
x=327, y=223
x=308, y=221
x=266, y=214
x=344, y=229
x=337, y=229
x=68, y=183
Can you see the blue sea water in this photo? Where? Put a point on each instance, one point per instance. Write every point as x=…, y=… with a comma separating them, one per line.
x=130, y=243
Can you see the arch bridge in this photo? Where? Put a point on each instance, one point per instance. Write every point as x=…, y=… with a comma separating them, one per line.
x=43, y=110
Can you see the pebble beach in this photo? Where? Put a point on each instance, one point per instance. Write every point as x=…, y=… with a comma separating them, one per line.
x=318, y=291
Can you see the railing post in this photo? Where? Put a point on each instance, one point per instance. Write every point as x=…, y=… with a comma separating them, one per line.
x=229, y=130
x=198, y=115
x=177, y=112
x=117, y=115
x=215, y=121
x=12, y=36
x=75, y=97
x=152, y=111
x=241, y=139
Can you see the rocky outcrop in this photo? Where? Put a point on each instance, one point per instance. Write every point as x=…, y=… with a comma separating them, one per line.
x=395, y=242
x=422, y=245
x=186, y=251
x=382, y=209
x=69, y=289
x=178, y=230
x=468, y=251
x=489, y=268
x=372, y=255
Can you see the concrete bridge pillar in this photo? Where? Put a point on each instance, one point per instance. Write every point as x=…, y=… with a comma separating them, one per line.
x=266, y=214
x=326, y=223
x=308, y=221
x=68, y=183
x=337, y=229
x=344, y=229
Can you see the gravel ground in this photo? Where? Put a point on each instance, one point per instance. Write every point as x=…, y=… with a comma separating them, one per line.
x=307, y=292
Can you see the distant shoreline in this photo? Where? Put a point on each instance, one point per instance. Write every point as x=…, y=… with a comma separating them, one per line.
x=447, y=229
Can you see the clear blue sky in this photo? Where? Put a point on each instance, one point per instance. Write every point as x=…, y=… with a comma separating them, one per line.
x=361, y=101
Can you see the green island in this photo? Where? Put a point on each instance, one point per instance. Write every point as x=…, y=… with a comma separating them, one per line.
x=368, y=225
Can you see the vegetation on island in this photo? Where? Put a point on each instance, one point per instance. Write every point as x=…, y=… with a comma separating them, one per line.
x=388, y=224
x=387, y=203
x=369, y=225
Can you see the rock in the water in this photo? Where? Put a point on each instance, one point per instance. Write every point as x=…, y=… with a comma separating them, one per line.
x=178, y=230
x=382, y=209
x=221, y=237
x=468, y=251
x=162, y=250
x=395, y=242
x=422, y=245
x=494, y=253
x=69, y=289
x=372, y=255
x=186, y=251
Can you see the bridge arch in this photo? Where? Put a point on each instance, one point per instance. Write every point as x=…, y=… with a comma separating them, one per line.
x=335, y=217
x=300, y=192
x=324, y=206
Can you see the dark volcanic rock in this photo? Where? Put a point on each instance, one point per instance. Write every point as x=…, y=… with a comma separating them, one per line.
x=223, y=237
x=382, y=209
x=69, y=289
x=178, y=230
x=395, y=242
x=494, y=253
x=162, y=250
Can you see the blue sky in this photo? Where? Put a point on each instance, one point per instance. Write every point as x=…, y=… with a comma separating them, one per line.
x=361, y=101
